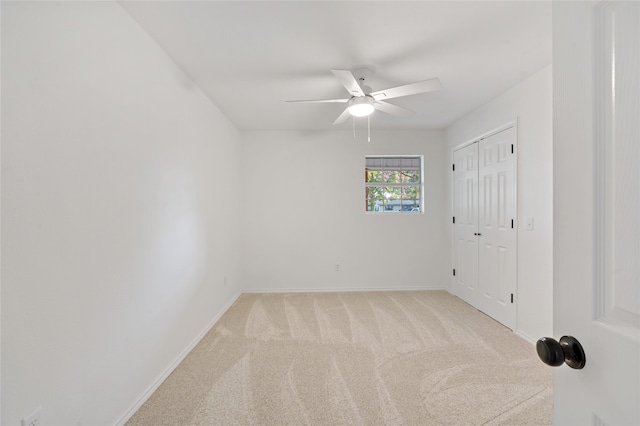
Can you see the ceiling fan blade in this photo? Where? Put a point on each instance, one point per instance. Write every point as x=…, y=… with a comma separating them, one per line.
x=408, y=89
x=349, y=82
x=321, y=101
x=342, y=117
x=392, y=109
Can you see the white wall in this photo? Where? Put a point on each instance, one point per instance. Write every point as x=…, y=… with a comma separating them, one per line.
x=305, y=213
x=117, y=176
x=531, y=103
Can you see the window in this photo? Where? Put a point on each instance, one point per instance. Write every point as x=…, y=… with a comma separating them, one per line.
x=393, y=184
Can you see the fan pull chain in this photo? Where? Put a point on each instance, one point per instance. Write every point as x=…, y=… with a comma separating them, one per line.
x=368, y=128
x=353, y=119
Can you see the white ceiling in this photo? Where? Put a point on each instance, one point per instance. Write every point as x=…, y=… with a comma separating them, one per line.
x=250, y=57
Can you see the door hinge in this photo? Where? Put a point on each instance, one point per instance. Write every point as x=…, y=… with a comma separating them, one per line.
x=454, y=272
x=511, y=223
x=512, y=148
x=453, y=167
x=511, y=297
x=454, y=219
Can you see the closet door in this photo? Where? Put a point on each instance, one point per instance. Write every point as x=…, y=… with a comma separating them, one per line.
x=465, y=212
x=497, y=234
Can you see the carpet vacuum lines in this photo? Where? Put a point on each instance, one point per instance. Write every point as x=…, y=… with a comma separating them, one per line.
x=361, y=358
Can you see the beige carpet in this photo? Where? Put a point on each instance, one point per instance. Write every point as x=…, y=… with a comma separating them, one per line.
x=370, y=358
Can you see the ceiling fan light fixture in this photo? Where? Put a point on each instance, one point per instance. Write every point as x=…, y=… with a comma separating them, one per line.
x=361, y=106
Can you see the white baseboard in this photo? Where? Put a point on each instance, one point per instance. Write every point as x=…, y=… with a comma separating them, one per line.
x=339, y=289
x=526, y=337
x=143, y=398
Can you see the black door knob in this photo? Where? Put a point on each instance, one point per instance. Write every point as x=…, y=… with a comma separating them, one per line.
x=568, y=351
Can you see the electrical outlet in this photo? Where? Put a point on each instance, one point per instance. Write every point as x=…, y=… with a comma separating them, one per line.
x=32, y=419
x=337, y=267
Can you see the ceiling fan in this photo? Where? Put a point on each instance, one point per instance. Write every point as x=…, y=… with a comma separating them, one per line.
x=363, y=101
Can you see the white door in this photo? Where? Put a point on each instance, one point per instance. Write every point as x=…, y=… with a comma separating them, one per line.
x=596, y=73
x=497, y=234
x=484, y=231
x=465, y=217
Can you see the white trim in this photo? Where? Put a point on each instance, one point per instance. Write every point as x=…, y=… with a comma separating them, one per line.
x=516, y=218
x=154, y=386
x=502, y=128
x=0, y=243
x=339, y=290
x=525, y=336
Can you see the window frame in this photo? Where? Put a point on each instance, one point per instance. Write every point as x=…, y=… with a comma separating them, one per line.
x=419, y=184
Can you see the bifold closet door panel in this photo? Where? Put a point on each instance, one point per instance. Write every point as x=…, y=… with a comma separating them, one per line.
x=496, y=219
x=465, y=207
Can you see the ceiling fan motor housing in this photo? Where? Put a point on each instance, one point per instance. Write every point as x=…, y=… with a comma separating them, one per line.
x=366, y=89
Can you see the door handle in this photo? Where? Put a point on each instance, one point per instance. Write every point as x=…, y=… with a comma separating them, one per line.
x=568, y=351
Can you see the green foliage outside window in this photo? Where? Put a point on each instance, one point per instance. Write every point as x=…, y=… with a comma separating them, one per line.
x=390, y=189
